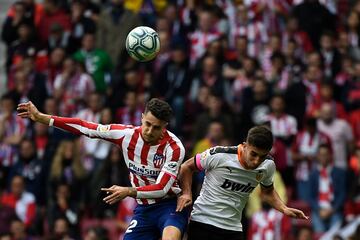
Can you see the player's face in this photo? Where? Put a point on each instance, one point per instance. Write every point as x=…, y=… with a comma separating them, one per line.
x=253, y=156
x=152, y=128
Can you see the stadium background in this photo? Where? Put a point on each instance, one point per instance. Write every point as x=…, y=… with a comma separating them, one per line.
x=224, y=66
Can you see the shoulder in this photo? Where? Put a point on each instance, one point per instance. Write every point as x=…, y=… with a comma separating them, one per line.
x=269, y=162
x=172, y=139
x=224, y=150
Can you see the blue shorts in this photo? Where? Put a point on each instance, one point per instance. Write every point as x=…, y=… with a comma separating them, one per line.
x=149, y=221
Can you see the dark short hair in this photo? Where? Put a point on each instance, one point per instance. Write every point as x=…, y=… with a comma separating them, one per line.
x=160, y=109
x=260, y=137
x=325, y=145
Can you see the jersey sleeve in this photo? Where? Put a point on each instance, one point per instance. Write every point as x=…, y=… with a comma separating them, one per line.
x=110, y=132
x=207, y=159
x=174, y=154
x=268, y=179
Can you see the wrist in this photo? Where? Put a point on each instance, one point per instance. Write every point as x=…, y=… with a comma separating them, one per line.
x=132, y=192
x=283, y=209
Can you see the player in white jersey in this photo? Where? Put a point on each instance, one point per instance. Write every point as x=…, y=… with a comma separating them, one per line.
x=231, y=174
x=153, y=156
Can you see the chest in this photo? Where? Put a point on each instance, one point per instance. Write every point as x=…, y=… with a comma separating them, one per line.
x=235, y=180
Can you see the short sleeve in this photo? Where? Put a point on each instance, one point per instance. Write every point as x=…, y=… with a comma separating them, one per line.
x=268, y=179
x=207, y=160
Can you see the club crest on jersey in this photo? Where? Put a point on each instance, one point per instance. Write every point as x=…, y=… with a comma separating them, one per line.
x=259, y=176
x=158, y=160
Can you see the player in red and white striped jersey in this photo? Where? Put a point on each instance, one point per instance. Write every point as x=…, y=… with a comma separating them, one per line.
x=153, y=156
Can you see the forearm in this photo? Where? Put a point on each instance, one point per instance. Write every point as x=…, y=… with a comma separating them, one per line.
x=185, y=178
x=43, y=118
x=271, y=197
x=157, y=190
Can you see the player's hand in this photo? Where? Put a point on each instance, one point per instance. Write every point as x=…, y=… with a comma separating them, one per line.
x=116, y=193
x=183, y=201
x=295, y=213
x=28, y=110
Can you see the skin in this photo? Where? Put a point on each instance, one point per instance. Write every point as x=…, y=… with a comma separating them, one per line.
x=152, y=130
x=251, y=158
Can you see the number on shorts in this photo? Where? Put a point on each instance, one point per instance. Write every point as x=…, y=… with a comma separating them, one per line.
x=132, y=224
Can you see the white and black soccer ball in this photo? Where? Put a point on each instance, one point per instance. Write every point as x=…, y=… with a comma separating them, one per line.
x=143, y=43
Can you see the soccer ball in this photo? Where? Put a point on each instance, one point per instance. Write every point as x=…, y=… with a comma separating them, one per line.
x=143, y=43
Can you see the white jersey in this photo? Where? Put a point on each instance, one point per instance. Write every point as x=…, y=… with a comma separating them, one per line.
x=227, y=186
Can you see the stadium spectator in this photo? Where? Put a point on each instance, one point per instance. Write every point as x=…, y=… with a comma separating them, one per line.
x=66, y=167
x=81, y=23
x=72, y=87
x=314, y=18
x=326, y=95
x=330, y=55
x=352, y=90
x=24, y=46
x=254, y=105
x=254, y=31
x=54, y=67
x=7, y=214
x=96, y=61
x=31, y=168
x=130, y=114
x=18, y=230
x=20, y=200
x=53, y=14
x=209, y=75
x=173, y=83
x=64, y=206
x=327, y=191
x=113, y=24
x=61, y=230
x=216, y=112
x=340, y=133
x=304, y=151
x=12, y=129
x=352, y=206
x=12, y=23
x=269, y=224
x=204, y=33
x=304, y=233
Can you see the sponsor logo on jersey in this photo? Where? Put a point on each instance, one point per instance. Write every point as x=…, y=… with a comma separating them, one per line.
x=204, y=155
x=103, y=128
x=143, y=171
x=172, y=165
x=158, y=160
x=237, y=187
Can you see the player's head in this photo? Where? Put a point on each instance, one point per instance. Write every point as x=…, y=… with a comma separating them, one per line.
x=156, y=116
x=258, y=144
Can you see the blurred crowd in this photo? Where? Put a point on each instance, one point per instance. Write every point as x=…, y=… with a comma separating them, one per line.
x=224, y=66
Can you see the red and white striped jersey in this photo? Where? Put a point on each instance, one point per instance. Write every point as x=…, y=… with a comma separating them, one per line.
x=153, y=168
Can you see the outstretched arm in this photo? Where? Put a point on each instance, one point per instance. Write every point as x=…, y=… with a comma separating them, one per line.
x=270, y=196
x=113, y=132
